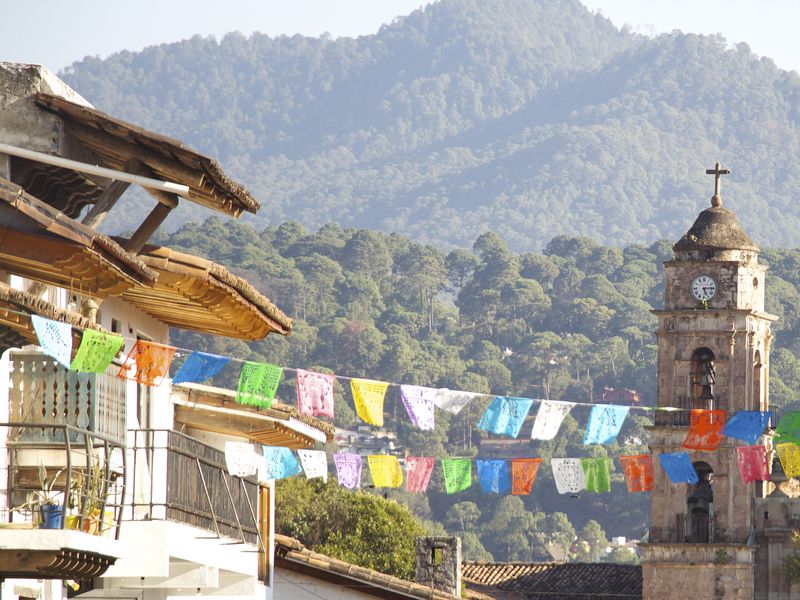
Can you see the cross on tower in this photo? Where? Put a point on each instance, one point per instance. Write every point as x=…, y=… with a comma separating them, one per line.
x=716, y=200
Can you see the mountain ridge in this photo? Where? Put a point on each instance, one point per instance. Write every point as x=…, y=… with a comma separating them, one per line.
x=525, y=117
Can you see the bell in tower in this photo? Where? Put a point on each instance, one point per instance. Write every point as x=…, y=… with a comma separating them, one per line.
x=713, y=353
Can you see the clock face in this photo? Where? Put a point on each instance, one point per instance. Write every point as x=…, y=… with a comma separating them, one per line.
x=704, y=287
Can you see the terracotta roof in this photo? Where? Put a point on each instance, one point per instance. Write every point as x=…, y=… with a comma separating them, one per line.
x=16, y=329
x=716, y=228
x=113, y=142
x=41, y=243
x=553, y=581
x=291, y=554
x=280, y=425
x=197, y=294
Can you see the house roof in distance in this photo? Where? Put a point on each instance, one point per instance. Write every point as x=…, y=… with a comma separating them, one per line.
x=215, y=409
x=293, y=555
x=554, y=581
x=112, y=143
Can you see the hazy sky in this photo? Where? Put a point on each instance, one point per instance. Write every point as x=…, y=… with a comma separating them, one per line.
x=58, y=32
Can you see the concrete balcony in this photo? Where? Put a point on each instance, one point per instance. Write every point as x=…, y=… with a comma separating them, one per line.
x=188, y=526
x=60, y=510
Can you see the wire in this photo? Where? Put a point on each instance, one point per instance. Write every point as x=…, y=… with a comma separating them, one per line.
x=179, y=352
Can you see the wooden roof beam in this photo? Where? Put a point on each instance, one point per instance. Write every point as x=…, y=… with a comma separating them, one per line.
x=156, y=217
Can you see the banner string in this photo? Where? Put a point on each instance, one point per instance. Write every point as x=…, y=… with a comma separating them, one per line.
x=181, y=352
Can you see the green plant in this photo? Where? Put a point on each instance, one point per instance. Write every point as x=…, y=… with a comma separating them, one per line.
x=45, y=495
x=791, y=563
x=721, y=557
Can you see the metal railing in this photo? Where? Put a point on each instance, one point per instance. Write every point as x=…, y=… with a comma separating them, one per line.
x=78, y=484
x=698, y=528
x=682, y=417
x=44, y=392
x=178, y=478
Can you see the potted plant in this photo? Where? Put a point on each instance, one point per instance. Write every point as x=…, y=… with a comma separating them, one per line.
x=44, y=502
x=87, y=498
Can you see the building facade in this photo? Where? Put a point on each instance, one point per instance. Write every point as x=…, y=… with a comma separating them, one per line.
x=118, y=487
x=707, y=540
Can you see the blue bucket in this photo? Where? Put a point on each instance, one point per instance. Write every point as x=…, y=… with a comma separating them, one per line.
x=52, y=516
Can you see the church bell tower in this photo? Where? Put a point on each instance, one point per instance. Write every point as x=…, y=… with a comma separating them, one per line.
x=713, y=353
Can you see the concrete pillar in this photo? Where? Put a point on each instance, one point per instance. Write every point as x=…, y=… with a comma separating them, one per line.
x=438, y=562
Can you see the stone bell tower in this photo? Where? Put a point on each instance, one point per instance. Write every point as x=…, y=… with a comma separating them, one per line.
x=713, y=353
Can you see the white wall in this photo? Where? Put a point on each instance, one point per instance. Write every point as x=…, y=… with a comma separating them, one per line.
x=298, y=586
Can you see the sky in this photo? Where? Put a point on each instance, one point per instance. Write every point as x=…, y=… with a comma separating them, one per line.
x=56, y=33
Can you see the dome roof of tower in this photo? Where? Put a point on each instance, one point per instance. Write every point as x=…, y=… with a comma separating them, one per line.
x=716, y=228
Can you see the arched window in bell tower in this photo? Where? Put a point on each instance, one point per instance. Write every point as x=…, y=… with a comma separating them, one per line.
x=702, y=379
x=758, y=386
x=700, y=506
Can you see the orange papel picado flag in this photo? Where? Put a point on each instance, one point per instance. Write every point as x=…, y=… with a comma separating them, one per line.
x=368, y=397
x=385, y=471
x=523, y=475
x=706, y=429
x=151, y=360
x=638, y=472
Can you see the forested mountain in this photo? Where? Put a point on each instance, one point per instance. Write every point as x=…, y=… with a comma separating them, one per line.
x=528, y=117
x=560, y=324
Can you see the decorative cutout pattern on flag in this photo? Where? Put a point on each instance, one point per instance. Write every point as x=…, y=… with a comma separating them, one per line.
x=494, y=476
x=679, y=467
x=55, y=338
x=385, y=471
x=706, y=429
x=523, y=475
x=348, y=470
x=753, y=463
x=453, y=401
x=315, y=393
x=457, y=474
x=258, y=383
x=747, y=425
x=240, y=459
x=151, y=360
x=638, y=471
x=314, y=463
x=199, y=367
x=505, y=415
x=788, y=429
x=419, y=405
x=789, y=455
x=96, y=351
x=605, y=422
x=597, y=472
x=568, y=475
x=368, y=396
x=548, y=419
x=418, y=473
x=281, y=462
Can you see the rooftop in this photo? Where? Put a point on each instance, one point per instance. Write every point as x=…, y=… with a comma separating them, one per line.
x=293, y=555
x=716, y=228
x=554, y=581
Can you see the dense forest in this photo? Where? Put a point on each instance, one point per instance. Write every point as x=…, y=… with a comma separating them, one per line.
x=529, y=117
x=562, y=324
x=388, y=158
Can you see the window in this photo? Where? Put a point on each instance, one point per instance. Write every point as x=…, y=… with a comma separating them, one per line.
x=702, y=379
x=700, y=505
x=758, y=392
